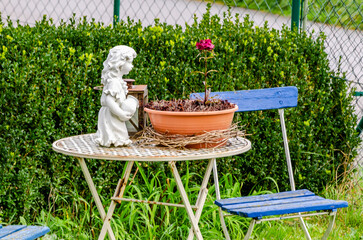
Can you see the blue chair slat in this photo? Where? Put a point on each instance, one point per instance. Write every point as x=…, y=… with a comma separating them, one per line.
x=258, y=99
x=10, y=229
x=278, y=203
x=264, y=197
x=294, y=207
x=285, y=206
x=265, y=203
x=22, y=232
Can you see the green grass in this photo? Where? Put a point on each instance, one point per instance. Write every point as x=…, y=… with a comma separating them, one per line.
x=79, y=219
x=344, y=13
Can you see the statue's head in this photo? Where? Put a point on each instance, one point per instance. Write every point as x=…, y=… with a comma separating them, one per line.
x=118, y=62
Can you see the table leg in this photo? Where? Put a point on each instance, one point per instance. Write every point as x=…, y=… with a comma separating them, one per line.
x=202, y=196
x=119, y=192
x=94, y=193
x=218, y=197
x=185, y=199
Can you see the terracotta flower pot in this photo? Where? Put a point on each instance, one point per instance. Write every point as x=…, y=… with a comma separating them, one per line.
x=191, y=123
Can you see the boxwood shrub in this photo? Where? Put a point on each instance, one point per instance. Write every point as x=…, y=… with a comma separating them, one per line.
x=48, y=71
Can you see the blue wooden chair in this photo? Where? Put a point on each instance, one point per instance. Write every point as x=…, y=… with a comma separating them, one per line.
x=22, y=232
x=278, y=206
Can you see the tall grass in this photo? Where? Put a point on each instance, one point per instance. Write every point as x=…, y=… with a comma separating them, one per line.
x=79, y=218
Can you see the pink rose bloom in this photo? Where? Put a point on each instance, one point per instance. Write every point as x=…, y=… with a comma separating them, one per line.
x=205, y=45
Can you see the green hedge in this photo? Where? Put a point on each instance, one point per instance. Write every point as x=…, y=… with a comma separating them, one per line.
x=47, y=75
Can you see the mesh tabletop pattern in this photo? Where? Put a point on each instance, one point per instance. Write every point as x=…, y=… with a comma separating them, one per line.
x=84, y=146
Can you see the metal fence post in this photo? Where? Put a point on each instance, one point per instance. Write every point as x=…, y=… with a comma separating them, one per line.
x=116, y=11
x=295, y=14
x=305, y=11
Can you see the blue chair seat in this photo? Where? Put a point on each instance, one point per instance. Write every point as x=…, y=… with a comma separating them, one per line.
x=22, y=232
x=278, y=203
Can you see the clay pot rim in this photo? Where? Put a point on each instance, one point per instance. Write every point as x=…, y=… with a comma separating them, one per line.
x=170, y=113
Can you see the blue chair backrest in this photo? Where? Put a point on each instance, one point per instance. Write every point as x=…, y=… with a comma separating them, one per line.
x=263, y=99
x=258, y=99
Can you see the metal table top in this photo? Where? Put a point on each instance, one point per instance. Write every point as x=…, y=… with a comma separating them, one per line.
x=85, y=147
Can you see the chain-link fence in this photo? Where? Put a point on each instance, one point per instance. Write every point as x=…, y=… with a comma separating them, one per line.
x=169, y=11
x=340, y=20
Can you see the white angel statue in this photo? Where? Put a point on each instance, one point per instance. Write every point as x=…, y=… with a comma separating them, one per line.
x=117, y=107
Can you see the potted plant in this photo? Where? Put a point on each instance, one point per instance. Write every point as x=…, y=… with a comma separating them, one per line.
x=190, y=118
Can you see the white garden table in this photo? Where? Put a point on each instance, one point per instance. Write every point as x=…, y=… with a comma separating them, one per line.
x=83, y=146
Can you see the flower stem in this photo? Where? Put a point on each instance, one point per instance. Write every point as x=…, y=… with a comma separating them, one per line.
x=205, y=77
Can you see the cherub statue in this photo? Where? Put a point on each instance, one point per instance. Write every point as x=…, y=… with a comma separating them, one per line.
x=116, y=107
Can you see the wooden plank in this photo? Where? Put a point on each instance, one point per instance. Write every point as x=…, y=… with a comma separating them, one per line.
x=265, y=197
x=28, y=233
x=258, y=99
x=297, y=200
x=10, y=229
x=257, y=212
